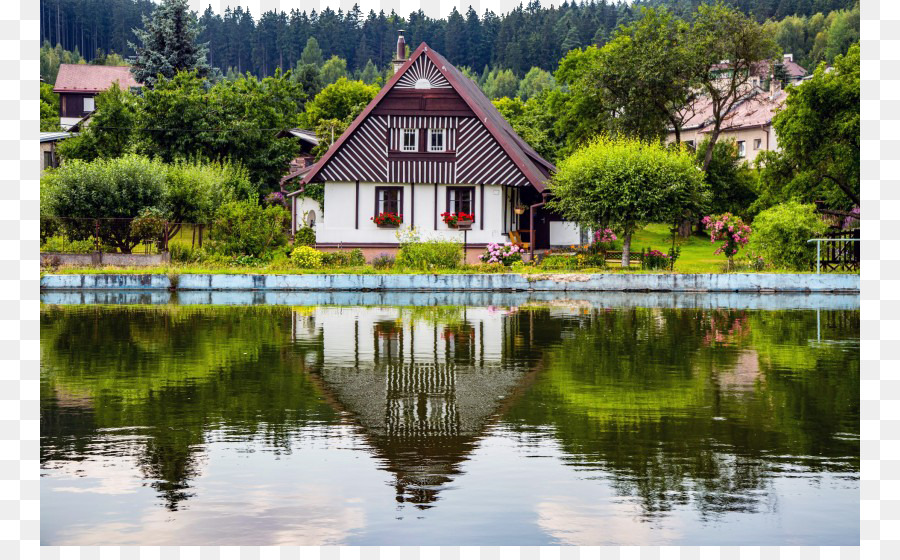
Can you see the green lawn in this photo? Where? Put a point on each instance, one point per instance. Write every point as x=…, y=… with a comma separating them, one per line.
x=696, y=251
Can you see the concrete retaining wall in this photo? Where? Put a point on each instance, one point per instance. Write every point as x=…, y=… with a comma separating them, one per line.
x=462, y=282
x=692, y=300
x=103, y=259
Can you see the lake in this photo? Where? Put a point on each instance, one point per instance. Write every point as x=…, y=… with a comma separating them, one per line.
x=416, y=419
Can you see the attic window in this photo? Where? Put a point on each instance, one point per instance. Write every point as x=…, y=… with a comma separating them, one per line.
x=423, y=83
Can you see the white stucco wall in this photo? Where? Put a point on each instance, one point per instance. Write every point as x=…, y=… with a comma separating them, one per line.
x=340, y=224
x=564, y=233
x=302, y=207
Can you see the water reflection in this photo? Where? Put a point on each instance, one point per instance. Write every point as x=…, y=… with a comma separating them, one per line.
x=683, y=417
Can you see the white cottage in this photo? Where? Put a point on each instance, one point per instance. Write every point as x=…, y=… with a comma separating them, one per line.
x=431, y=144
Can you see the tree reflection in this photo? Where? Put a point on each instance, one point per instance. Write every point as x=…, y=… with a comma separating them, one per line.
x=681, y=407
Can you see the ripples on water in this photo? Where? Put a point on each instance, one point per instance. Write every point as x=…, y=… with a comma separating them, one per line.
x=533, y=424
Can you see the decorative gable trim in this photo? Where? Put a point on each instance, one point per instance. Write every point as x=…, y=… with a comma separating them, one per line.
x=423, y=69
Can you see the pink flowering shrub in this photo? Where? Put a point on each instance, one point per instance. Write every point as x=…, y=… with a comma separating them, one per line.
x=605, y=236
x=731, y=230
x=506, y=253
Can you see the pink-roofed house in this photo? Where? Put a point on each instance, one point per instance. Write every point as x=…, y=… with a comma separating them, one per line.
x=77, y=84
x=750, y=122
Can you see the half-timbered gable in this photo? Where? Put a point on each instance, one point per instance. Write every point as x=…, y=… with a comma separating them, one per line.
x=431, y=145
x=422, y=128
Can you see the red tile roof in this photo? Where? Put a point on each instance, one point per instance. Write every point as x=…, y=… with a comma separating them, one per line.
x=89, y=78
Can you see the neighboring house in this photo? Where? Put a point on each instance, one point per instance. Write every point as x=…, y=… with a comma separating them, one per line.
x=78, y=84
x=749, y=123
x=48, y=148
x=308, y=210
x=429, y=143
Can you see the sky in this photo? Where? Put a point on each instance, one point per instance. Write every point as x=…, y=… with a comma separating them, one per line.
x=433, y=8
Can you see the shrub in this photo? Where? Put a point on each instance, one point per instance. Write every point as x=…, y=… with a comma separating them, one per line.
x=729, y=229
x=60, y=244
x=559, y=262
x=780, y=235
x=429, y=255
x=505, y=254
x=306, y=257
x=181, y=253
x=150, y=226
x=344, y=258
x=305, y=236
x=590, y=260
x=653, y=259
x=246, y=228
x=383, y=261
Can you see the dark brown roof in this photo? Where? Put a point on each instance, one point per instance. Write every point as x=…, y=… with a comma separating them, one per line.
x=535, y=168
x=89, y=78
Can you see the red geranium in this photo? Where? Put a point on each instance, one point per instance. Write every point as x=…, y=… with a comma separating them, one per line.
x=452, y=219
x=388, y=219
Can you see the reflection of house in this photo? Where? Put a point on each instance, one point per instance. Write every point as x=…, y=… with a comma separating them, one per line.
x=749, y=123
x=78, y=84
x=422, y=391
x=431, y=143
x=48, y=148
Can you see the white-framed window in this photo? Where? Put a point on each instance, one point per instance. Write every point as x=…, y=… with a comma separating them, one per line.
x=436, y=140
x=409, y=140
x=88, y=104
x=742, y=148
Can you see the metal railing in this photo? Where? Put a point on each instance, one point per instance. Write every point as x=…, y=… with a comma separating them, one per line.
x=819, y=241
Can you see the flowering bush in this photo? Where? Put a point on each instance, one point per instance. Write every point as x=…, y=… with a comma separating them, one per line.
x=605, y=236
x=653, y=259
x=452, y=219
x=388, y=219
x=275, y=198
x=728, y=228
x=506, y=253
x=306, y=257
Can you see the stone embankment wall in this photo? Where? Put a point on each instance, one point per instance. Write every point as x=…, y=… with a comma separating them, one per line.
x=843, y=283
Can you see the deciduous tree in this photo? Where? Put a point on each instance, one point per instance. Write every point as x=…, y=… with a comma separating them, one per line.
x=625, y=184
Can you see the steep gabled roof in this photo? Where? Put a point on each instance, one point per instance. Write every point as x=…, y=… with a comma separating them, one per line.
x=90, y=78
x=535, y=168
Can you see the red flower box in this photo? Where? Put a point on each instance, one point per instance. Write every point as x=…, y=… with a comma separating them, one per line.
x=388, y=220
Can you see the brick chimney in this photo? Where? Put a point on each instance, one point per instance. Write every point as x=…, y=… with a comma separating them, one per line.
x=400, y=55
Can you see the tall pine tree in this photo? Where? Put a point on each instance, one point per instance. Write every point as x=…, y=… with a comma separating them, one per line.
x=169, y=44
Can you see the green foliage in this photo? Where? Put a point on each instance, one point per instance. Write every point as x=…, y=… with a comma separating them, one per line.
x=49, y=109
x=150, y=225
x=642, y=78
x=383, y=261
x=780, y=235
x=625, y=184
x=169, y=44
x=819, y=139
x=430, y=255
x=195, y=190
x=116, y=190
x=500, y=83
x=246, y=228
x=370, y=74
x=233, y=120
x=62, y=244
x=535, y=122
x=559, y=262
x=111, y=132
x=305, y=236
x=333, y=69
x=306, y=257
x=654, y=259
x=339, y=259
x=721, y=32
x=341, y=101
x=535, y=82
x=312, y=54
x=729, y=179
